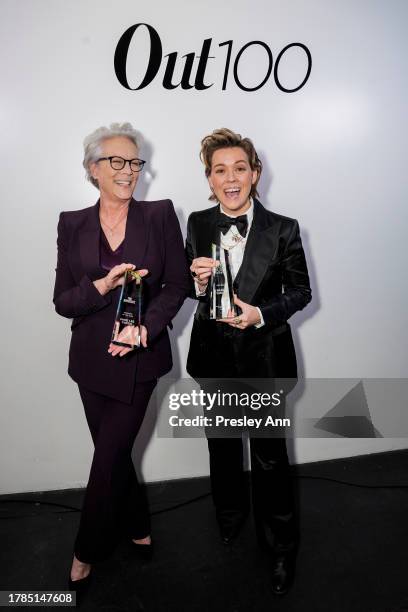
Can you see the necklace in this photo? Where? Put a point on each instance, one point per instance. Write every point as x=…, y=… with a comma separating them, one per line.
x=112, y=228
x=236, y=238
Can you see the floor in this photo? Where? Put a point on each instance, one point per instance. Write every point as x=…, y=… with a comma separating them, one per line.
x=353, y=554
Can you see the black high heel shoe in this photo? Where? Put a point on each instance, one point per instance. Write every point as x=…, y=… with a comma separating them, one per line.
x=79, y=586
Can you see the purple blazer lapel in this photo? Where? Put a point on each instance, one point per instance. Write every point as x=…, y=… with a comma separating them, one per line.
x=136, y=237
x=89, y=237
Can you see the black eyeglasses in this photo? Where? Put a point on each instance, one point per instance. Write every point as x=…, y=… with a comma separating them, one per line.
x=118, y=163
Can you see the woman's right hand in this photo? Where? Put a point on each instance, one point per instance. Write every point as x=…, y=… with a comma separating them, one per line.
x=115, y=277
x=201, y=268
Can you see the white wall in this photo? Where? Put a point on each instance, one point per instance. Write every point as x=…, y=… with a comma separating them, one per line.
x=335, y=158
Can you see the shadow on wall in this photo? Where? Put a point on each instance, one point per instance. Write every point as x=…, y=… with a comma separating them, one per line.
x=148, y=174
x=313, y=307
x=299, y=318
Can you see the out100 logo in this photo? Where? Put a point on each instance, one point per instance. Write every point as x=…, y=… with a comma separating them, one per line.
x=198, y=81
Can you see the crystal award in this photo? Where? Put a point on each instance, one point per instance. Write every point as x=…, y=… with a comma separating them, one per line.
x=221, y=290
x=126, y=330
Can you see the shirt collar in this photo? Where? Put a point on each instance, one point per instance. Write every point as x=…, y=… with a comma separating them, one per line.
x=249, y=213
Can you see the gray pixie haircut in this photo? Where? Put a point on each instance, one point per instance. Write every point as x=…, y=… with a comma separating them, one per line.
x=92, y=144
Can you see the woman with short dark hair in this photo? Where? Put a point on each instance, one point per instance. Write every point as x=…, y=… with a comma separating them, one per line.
x=264, y=262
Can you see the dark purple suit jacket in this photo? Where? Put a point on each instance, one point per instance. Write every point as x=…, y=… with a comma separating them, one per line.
x=153, y=240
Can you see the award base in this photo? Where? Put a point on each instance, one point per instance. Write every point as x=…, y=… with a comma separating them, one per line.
x=128, y=336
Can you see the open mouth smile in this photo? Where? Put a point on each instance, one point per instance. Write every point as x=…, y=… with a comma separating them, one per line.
x=232, y=192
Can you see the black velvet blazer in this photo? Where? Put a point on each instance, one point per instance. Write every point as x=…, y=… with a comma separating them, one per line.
x=273, y=276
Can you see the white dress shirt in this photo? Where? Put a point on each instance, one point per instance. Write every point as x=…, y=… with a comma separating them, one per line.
x=235, y=244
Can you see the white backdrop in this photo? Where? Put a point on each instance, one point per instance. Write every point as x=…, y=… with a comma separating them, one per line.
x=334, y=155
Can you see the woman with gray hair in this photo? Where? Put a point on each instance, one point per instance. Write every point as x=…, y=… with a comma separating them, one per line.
x=96, y=246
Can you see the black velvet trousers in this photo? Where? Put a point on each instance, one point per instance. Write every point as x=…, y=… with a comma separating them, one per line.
x=271, y=480
x=114, y=504
x=271, y=487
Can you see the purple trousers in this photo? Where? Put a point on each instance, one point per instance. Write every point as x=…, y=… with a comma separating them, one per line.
x=114, y=504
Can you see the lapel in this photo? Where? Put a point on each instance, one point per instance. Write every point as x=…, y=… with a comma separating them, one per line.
x=259, y=252
x=136, y=237
x=89, y=237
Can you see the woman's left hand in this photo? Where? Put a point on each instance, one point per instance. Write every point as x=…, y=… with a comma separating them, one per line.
x=115, y=350
x=248, y=317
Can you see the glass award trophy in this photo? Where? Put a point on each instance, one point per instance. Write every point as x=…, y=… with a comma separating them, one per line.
x=126, y=330
x=221, y=290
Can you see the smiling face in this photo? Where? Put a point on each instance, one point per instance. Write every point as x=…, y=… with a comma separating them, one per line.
x=231, y=179
x=116, y=185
